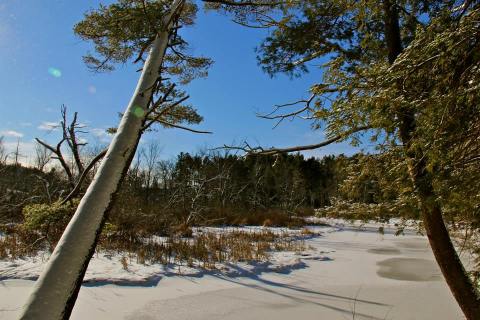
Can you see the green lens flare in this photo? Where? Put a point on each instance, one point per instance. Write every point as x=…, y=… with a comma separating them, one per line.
x=137, y=111
x=55, y=72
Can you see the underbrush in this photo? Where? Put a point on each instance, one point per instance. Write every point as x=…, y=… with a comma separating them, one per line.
x=267, y=218
x=176, y=222
x=148, y=240
x=205, y=249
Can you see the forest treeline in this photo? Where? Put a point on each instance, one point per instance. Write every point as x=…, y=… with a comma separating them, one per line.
x=222, y=188
x=164, y=197
x=205, y=188
x=191, y=189
x=217, y=189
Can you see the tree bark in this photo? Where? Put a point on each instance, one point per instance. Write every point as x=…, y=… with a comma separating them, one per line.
x=56, y=290
x=445, y=254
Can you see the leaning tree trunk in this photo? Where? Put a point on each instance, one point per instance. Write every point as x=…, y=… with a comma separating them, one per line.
x=447, y=258
x=57, y=288
x=460, y=284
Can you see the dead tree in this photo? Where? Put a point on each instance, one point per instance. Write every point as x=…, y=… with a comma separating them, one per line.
x=70, y=134
x=3, y=152
x=42, y=156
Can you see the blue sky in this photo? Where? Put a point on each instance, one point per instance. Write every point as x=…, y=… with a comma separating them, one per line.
x=36, y=36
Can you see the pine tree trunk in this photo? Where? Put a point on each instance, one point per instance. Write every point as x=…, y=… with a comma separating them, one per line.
x=445, y=254
x=57, y=288
x=447, y=258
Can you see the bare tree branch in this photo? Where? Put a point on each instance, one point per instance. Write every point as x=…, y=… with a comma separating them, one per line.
x=308, y=58
x=168, y=124
x=82, y=177
x=143, y=49
x=246, y=3
x=70, y=135
x=162, y=112
x=59, y=156
x=273, y=151
x=281, y=117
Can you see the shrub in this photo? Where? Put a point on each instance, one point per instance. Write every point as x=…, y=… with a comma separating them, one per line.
x=49, y=219
x=267, y=218
x=305, y=212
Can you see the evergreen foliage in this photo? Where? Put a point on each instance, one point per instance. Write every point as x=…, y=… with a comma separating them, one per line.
x=405, y=70
x=124, y=31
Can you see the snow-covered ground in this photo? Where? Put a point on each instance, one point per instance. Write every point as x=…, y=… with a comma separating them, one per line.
x=349, y=272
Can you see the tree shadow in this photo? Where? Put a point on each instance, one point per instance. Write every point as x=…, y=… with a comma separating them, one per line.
x=231, y=271
x=253, y=271
x=265, y=284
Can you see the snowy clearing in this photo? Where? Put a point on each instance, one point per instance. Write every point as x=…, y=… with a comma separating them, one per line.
x=347, y=273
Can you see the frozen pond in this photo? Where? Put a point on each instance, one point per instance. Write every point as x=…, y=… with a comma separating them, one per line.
x=351, y=275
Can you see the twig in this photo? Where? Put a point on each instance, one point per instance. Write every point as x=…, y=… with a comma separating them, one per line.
x=281, y=117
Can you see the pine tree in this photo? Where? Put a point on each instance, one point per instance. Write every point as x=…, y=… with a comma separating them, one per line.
x=405, y=72
x=119, y=32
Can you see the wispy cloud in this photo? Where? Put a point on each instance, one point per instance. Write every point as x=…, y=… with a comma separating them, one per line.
x=101, y=135
x=11, y=133
x=99, y=132
x=48, y=126
x=82, y=140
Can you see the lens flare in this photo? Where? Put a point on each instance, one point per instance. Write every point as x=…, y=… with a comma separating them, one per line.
x=55, y=72
x=137, y=111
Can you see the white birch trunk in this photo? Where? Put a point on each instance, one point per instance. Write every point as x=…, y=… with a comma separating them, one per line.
x=56, y=290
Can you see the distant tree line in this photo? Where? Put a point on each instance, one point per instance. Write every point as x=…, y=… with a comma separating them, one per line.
x=216, y=188
x=206, y=188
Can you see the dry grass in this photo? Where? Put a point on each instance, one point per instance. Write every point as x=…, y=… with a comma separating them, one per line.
x=307, y=232
x=124, y=262
x=204, y=250
x=181, y=230
x=17, y=242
